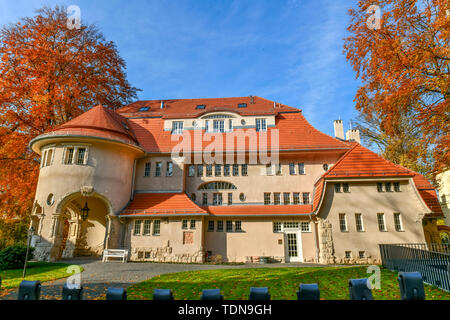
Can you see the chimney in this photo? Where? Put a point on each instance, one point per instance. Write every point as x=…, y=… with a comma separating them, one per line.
x=162, y=104
x=339, y=129
x=252, y=100
x=353, y=135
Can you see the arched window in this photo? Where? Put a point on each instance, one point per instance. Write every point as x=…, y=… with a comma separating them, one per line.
x=217, y=185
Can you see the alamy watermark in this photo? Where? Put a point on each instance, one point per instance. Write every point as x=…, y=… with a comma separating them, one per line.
x=373, y=22
x=74, y=281
x=74, y=17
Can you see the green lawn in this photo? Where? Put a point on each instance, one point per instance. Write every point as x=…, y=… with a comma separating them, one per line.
x=283, y=283
x=42, y=271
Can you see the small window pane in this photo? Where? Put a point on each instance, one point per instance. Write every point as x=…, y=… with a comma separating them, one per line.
x=218, y=170
x=80, y=156
x=210, y=226
x=337, y=187
x=305, y=227
x=397, y=186
x=147, y=169
x=226, y=170
x=305, y=197
x=296, y=196
x=220, y=226
x=346, y=187
x=199, y=170
x=158, y=169
x=381, y=222
x=205, y=199
x=184, y=224
x=244, y=170
x=342, y=222
x=229, y=226
x=209, y=170
x=277, y=227
x=291, y=168
x=237, y=226
x=379, y=187
x=301, y=168
x=286, y=198
x=192, y=224
x=169, y=170
x=266, y=198
x=276, y=198
x=156, y=227
x=137, y=227
x=191, y=170
x=235, y=169
x=147, y=227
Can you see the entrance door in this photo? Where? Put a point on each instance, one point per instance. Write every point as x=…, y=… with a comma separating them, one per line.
x=293, y=245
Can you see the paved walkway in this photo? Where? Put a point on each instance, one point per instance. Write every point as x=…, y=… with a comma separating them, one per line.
x=98, y=276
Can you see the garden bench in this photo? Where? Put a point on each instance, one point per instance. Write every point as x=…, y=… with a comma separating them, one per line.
x=115, y=253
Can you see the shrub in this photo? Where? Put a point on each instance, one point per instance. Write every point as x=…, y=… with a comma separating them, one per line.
x=13, y=257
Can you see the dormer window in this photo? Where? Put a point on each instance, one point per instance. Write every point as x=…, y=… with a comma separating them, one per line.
x=242, y=105
x=144, y=108
x=200, y=106
x=177, y=127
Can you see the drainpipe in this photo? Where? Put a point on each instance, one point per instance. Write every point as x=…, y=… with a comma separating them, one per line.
x=132, y=180
x=316, y=242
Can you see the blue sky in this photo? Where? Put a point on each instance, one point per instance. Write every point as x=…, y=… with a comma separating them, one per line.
x=289, y=51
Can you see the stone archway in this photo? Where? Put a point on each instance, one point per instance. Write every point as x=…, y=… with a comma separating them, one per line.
x=74, y=237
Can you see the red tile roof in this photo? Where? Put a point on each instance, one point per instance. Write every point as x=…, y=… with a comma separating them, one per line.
x=259, y=210
x=362, y=162
x=186, y=108
x=162, y=204
x=295, y=133
x=99, y=122
x=317, y=195
x=428, y=194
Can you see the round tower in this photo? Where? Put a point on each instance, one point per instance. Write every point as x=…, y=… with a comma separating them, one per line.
x=85, y=180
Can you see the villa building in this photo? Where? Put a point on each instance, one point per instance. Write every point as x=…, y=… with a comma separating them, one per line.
x=233, y=179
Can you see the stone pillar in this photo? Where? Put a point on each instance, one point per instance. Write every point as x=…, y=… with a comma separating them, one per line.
x=326, y=245
x=113, y=232
x=56, y=238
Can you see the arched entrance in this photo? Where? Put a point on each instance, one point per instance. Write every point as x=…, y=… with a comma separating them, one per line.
x=75, y=237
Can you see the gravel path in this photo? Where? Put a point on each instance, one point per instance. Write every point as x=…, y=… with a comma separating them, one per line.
x=98, y=276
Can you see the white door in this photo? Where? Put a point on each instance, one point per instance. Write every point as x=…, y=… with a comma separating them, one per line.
x=293, y=246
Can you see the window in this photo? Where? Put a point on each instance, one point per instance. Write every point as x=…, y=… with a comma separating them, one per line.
x=217, y=185
x=147, y=227
x=230, y=198
x=296, y=197
x=230, y=125
x=193, y=197
x=191, y=171
x=169, y=169
x=229, y=226
x=305, y=227
x=144, y=108
x=237, y=226
x=49, y=157
x=379, y=187
x=348, y=254
x=207, y=125
x=290, y=225
x=81, y=152
x=277, y=227
x=381, y=222
x=337, y=187
x=261, y=125
x=362, y=254
x=359, y=222
x=137, y=227
x=199, y=170
x=156, y=227
x=235, y=169
x=305, y=197
x=346, y=188
x=158, y=169
x=200, y=106
x=398, y=222
x=69, y=156
x=210, y=226
x=205, y=199
x=242, y=105
x=276, y=198
x=278, y=171
x=266, y=198
x=226, y=170
x=325, y=167
x=184, y=224
x=388, y=187
x=244, y=169
x=286, y=198
x=242, y=197
x=269, y=171
x=192, y=224
x=301, y=168
x=342, y=222
x=147, y=169
x=177, y=127
x=218, y=170
x=217, y=199
x=291, y=168
x=220, y=226
x=218, y=125
x=397, y=186
x=209, y=170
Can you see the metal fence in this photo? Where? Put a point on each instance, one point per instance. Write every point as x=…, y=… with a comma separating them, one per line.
x=432, y=260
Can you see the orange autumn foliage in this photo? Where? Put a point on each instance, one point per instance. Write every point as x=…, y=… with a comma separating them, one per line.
x=404, y=67
x=49, y=74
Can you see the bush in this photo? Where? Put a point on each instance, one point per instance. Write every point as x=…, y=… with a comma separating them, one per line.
x=13, y=257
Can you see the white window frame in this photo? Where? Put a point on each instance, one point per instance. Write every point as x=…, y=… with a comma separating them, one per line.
x=147, y=230
x=191, y=170
x=383, y=220
x=169, y=169
x=277, y=227
x=261, y=125
x=147, y=165
x=177, y=127
x=296, y=195
x=75, y=154
x=238, y=226
x=398, y=224
x=184, y=224
x=137, y=231
x=359, y=222
x=211, y=226
x=303, y=167
x=156, y=230
x=218, y=126
x=267, y=198
x=305, y=226
x=343, y=222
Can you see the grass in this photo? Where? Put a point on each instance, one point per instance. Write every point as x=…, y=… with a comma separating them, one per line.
x=283, y=283
x=42, y=271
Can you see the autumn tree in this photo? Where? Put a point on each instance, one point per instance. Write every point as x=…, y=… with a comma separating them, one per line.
x=404, y=65
x=49, y=74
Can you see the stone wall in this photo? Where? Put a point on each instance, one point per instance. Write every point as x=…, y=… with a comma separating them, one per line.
x=326, y=242
x=165, y=254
